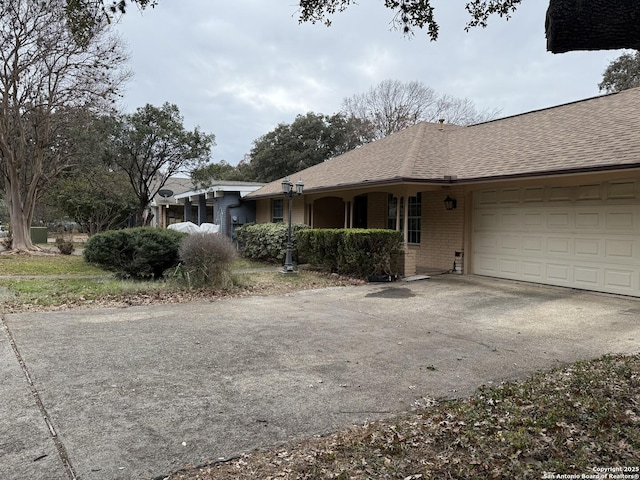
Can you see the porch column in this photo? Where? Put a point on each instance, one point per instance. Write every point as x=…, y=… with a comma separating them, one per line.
x=187, y=210
x=162, y=216
x=398, y=226
x=351, y=213
x=202, y=209
x=346, y=214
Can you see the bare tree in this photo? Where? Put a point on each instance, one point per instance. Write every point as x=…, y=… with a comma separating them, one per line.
x=48, y=86
x=392, y=106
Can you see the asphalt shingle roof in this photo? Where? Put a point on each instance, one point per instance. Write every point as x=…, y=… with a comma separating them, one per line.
x=597, y=133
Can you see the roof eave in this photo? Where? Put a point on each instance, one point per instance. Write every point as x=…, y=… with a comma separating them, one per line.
x=453, y=180
x=551, y=173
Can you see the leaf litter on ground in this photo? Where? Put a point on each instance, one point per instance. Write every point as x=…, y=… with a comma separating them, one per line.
x=567, y=421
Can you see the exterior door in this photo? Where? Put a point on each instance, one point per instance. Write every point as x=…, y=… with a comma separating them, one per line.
x=360, y=212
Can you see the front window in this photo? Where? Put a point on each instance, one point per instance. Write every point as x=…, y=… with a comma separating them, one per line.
x=414, y=219
x=277, y=210
x=392, y=211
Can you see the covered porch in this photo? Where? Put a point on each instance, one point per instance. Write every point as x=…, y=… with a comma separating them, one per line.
x=433, y=226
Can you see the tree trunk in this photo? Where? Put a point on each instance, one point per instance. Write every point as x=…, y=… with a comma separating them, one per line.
x=592, y=25
x=20, y=220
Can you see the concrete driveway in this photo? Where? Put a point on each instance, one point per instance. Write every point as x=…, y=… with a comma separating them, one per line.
x=144, y=391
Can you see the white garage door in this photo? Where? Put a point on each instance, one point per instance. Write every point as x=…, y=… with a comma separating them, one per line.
x=585, y=236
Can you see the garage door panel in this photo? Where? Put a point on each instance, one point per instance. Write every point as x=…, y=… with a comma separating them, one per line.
x=561, y=194
x=589, y=220
x=587, y=277
x=620, y=249
x=486, y=265
x=533, y=194
x=487, y=221
x=532, y=245
x=510, y=219
x=559, y=272
x=622, y=190
x=588, y=248
x=509, y=267
x=510, y=244
x=488, y=243
x=557, y=220
x=573, y=236
x=620, y=220
x=510, y=195
x=618, y=278
x=589, y=192
x=559, y=246
x=533, y=271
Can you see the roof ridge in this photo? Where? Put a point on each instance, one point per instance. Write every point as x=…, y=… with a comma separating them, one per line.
x=408, y=163
x=553, y=107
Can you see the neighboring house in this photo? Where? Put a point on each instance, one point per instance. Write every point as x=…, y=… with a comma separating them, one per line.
x=220, y=203
x=165, y=209
x=551, y=196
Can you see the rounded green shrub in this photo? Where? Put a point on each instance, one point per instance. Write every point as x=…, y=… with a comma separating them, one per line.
x=143, y=252
x=206, y=260
x=65, y=247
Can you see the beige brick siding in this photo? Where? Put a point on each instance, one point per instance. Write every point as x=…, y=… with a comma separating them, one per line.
x=297, y=216
x=442, y=230
x=263, y=210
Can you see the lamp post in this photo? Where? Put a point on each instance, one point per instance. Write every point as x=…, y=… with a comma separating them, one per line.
x=288, y=191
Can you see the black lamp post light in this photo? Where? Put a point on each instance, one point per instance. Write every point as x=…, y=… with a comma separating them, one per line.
x=288, y=191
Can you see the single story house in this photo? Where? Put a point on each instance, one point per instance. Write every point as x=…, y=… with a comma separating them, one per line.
x=550, y=196
x=220, y=203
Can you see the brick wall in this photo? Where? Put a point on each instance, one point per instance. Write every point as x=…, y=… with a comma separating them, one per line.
x=263, y=210
x=442, y=230
x=297, y=215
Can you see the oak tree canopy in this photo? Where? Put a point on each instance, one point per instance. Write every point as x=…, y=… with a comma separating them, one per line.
x=569, y=24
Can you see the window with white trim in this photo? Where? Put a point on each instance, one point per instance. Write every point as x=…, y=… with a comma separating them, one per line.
x=277, y=210
x=414, y=217
x=392, y=211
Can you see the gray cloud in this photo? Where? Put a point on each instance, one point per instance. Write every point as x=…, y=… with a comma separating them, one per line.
x=239, y=68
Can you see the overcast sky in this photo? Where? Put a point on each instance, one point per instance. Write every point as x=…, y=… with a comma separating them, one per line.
x=238, y=68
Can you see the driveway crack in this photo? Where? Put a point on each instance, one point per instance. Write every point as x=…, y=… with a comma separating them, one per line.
x=60, y=448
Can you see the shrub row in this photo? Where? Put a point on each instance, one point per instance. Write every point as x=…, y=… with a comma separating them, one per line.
x=357, y=252
x=267, y=241
x=143, y=252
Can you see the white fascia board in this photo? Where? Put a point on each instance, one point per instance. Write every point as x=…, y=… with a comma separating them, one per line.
x=243, y=190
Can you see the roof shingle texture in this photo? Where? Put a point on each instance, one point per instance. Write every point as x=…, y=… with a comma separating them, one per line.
x=597, y=133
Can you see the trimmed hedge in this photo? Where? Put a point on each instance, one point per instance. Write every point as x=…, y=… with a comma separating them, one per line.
x=143, y=252
x=267, y=241
x=357, y=252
